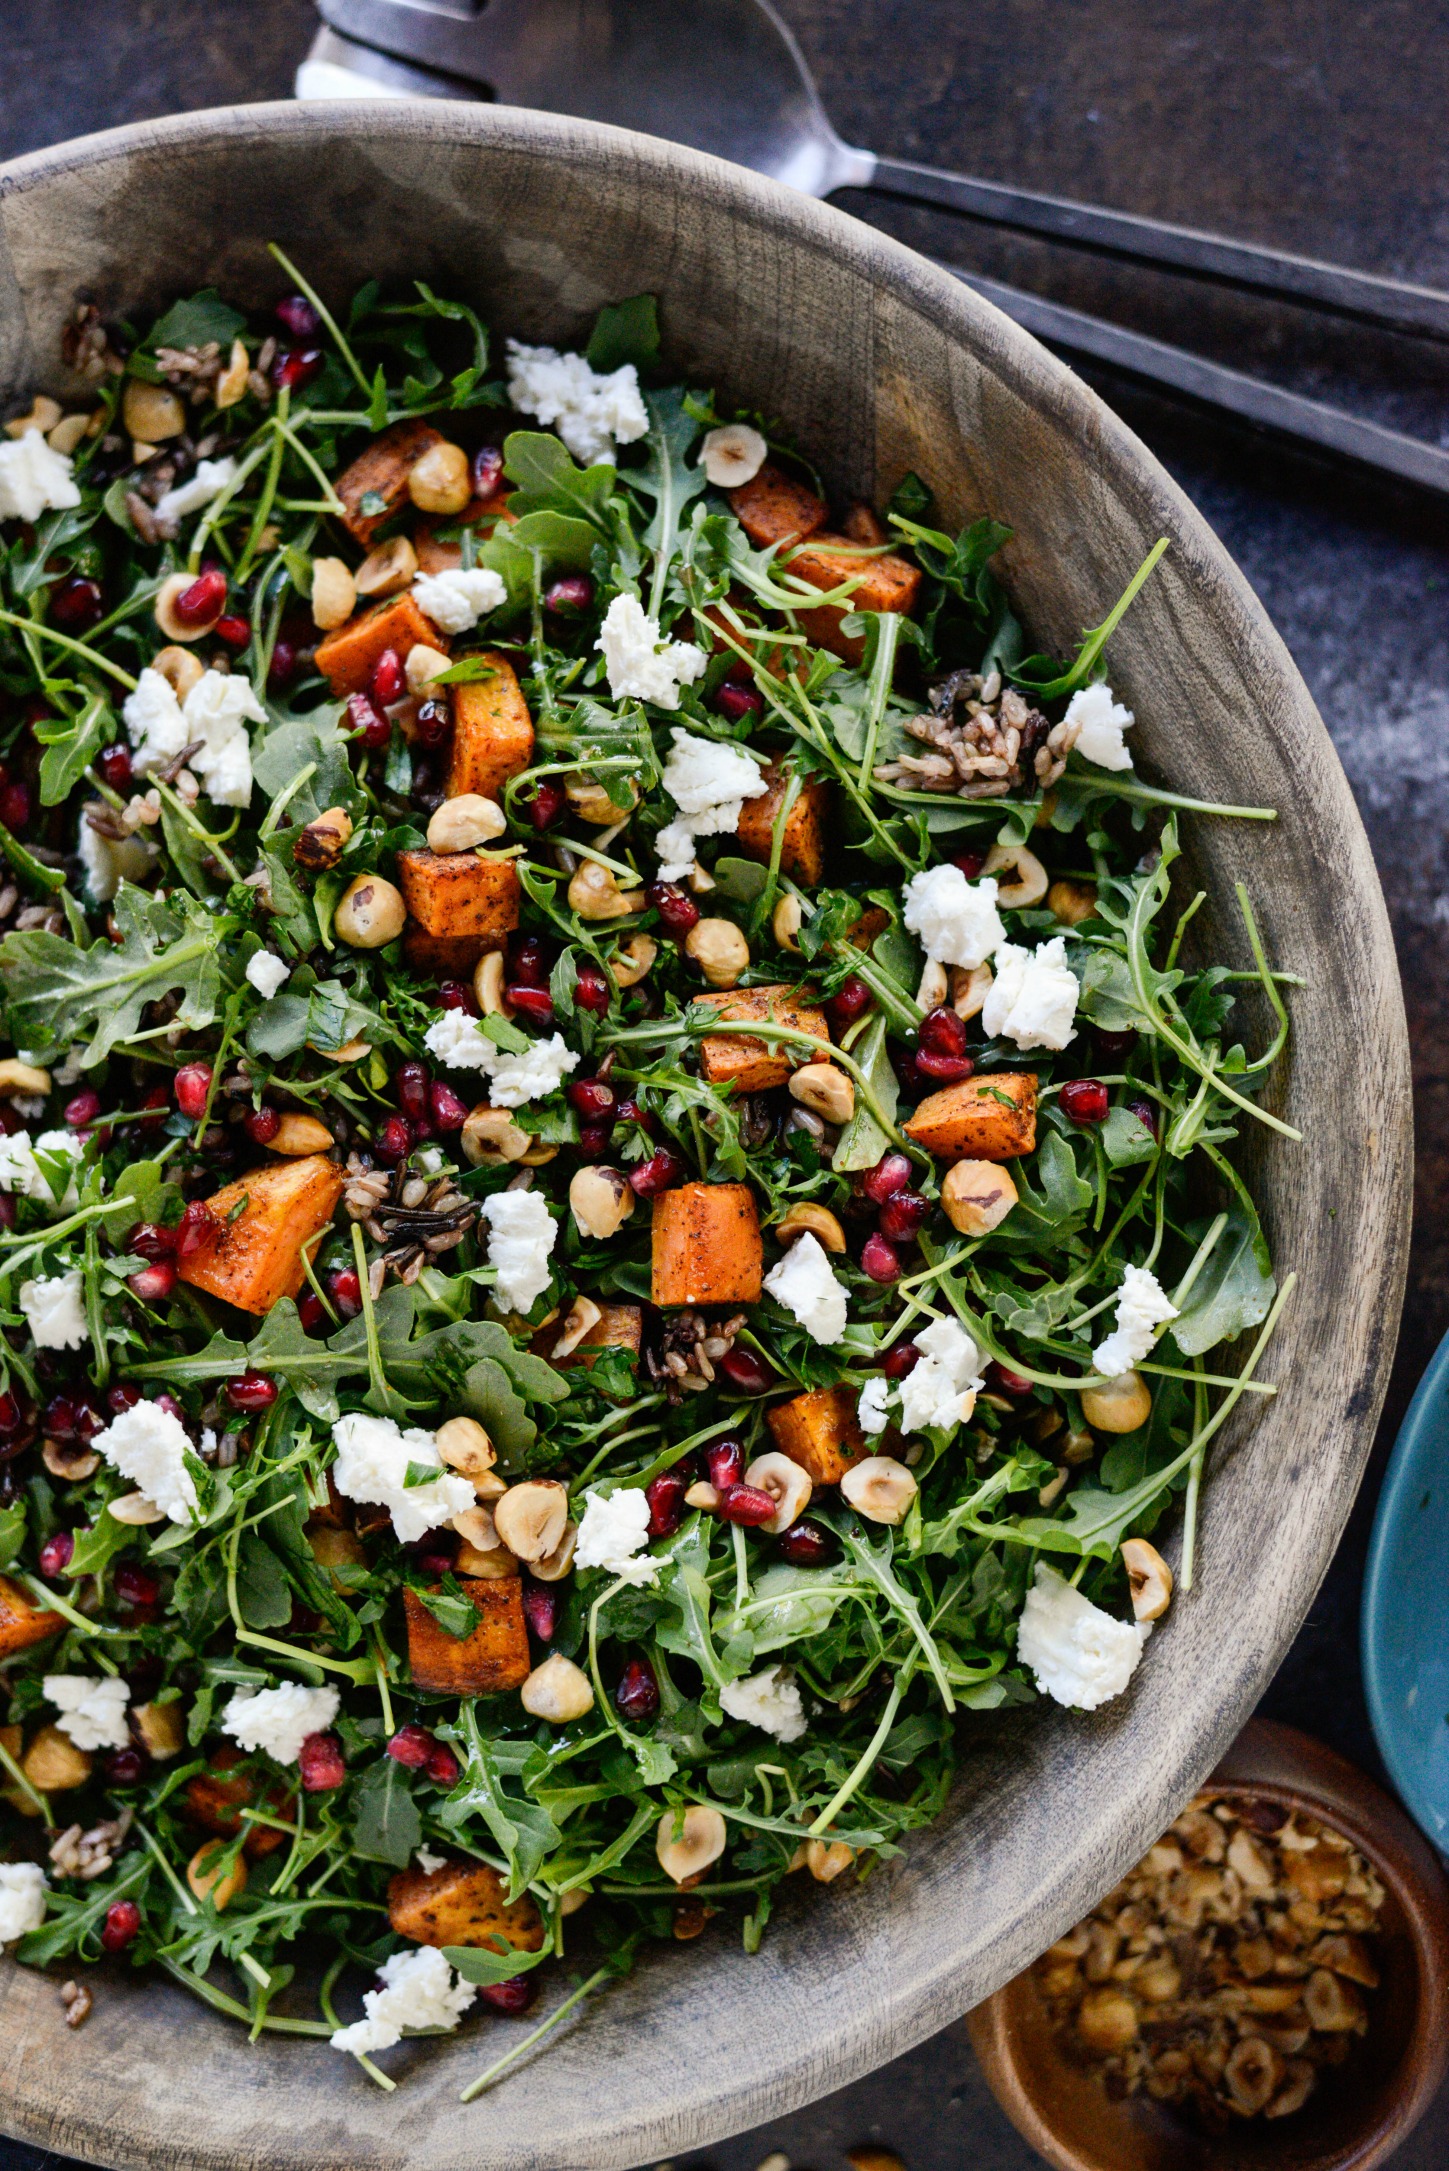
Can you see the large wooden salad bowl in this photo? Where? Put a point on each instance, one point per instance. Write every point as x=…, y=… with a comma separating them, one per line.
x=884, y=363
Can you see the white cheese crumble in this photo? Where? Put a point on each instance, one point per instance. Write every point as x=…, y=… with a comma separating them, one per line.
x=804, y=1282
x=184, y=498
x=34, y=478
x=1100, y=723
x=22, y=1900
x=427, y=1861
x=455, y=600
x=419, y=1991
x=613, y=1531
x=591, y=412
x=769, y=1700
x=216, y=711
x=1033, y=998
x=521, y=1236
x=1081, y=1656
x=148, y=1445
x=641, y=664
x=21, y=1171
x=1142, y=1307
x=278, y=1721
x=956, y=921
x=709, y=782
x=92, y=1708
x=110, y=861
x=55, y=1308
x=538, y=1070
x=267, y=973
x=373, y=1458
x=941, y=1390
x=870, y=1408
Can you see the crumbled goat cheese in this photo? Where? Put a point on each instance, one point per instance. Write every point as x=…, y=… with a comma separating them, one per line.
x=419, y=1991
x=427, y=1861
x=591, y=412
x=769, y=1700
x=278, y=1721
x=956, y=920
x=521, y=1237
x=149, y=1446
x=1142, y=1307
x=184, y=498
x=941, y=1389
x=641, y=664
x=613, y=1532
x=22, y=1900
x=1033, y=998
x=92, y=1708
x=34, y=479
x=1100, y=723
x=870, y=1409
x=55, y=1308
x=21, y=1171
x=804, y=1282
x=110, y=861
x=455, y=1039
x=373, y=1459
x=1081, y=1656
x=456, y=600
x=216, y=711
x=709, y=782
x=540, y=1069
x=267, y=973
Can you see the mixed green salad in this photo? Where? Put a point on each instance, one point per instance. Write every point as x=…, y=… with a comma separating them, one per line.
x=617, y=1200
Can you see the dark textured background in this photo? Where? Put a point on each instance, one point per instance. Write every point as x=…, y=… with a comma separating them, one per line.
x=1313, y=124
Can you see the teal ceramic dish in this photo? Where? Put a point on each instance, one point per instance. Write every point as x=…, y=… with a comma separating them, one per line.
x=1405, y=1624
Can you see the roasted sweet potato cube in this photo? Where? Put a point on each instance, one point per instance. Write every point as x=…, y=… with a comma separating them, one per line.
x=382, y=472
x=472, y=894
x=706, y=1245
x=491, y=1658
x=265, y=1221
x=492, y=732
x=751, y=1065
x=774, y=508
x=885, y=584
x=990, y=1118
x=347, y=657
x=864, y=525
x=435, y=556
x=463, y=1903
x=802, y=849
x=444, y=957
x=215, y=1799
x=820, y=1432
x=22, y=1622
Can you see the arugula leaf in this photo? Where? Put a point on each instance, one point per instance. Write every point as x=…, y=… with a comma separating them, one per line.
x=58, y=990
x=666, y=476
x=863, y=1141
x=263, y=1592
x=389, y=1825
x=453, y=1610
x=1042, y=676
x=1233, y=1291
x=303, y=742
x=1126, y=1139
x=486, y=1964
x=524, y=1830
x=12, y=1531
x=203, y=317
x=70, y=747
x=625, y=332
x=548, y=479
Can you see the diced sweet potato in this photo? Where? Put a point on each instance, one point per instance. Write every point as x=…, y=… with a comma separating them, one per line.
x=991, y=1118
x=382, y=471
x=802, y=851
x=434, y=556
x=492, y=732
x=444, y=957
x=461, y=894
x=491, y=1658
x=774, y=508
x=346, y=658
x=265, y=1222
x=885, y=584
x=706, y=1245
x=864, y=525
x=872, y=922
x=755, y=1066
x=22, y=1622
x=215, y=1799
x=820, y=1432
x=463, y=1903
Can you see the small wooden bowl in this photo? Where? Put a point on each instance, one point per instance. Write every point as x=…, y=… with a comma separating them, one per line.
x=1362, y=2112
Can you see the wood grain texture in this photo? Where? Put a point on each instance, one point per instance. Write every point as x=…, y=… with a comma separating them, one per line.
x=879, y=363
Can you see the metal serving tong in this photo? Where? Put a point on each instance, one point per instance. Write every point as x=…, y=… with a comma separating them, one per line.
x=726, y=76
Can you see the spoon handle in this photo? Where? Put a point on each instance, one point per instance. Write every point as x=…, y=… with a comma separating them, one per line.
x=1333, y=287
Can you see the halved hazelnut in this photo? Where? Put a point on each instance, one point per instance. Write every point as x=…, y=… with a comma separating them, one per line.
x=296, y=1135
x=334, y=593
x=785, y=923
x=477, y=1529
x=977, y=1196
x=720, y=951
x=530, y=1517
x=180, y=669
x=594, y=894
x=1148, y=1578
x=556, y=1565
x=1026, y=877
x=1118, y=1405
x=826, y=1090
x=161, y=1727
x=807, y=1219
x=583, y=1314
x=490, y=1136
x=136, y=1509
x=733, y=454
x=827, y=1859
x=600, y=1200
x=164, y=612
x=1252, y=2074
x=1072, y=902
x=969, y=989
x=388, y=569
x=424, y=664
x=632, y=959
x=489, y=976
x=323, y=842
x=934, y=986
x=53, y=1764
x=787, y=1485
x=558, y=1691
x=464, y=821
x=686, y=1843
x=879, y=1488
x=465, y=1447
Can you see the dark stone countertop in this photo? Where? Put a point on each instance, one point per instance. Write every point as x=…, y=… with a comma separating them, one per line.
x=1305, y=125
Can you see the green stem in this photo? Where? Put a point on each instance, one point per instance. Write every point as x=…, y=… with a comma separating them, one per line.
x=92, y=656
x=331, y=323
x=32, y=1794
x=501, y=2065
x=233, y=2007
x=873, y=1749
x=878, y=690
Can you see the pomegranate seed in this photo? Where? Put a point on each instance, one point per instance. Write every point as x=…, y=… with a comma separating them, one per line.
x=533, y=1003
x=60, y=1417
x=892, y=1172
x=121, y=1926
x=806, y=1545
x=154, y=1283
x=412, y=1745
x=650, y=1177
x=192, y=1086
x=488, y=472
x=850, y=1001
x=528, y=962
x=540, y=1610
x=310, y=1314
x=442, y=1766
x=942, y=1032
x=283, y=667
x=295, y=367
x=159, y=1100
x=261, y=1125
x=124, y=1397
x=592, y=990
x=901, y=1358
x=1114, y=1047
x=135, y=1585
x=7, y=1209
x=114, y=763
x=724, y=1462
x=197, y=1230
x=171, y=1406
x=1002, y=1381
x=677, y=910
x=447, y=1111
x=594, y=1139
x=55, y=1553
x=345, y=1290
x=942, y=1069
x=76, y=604
x=432, y=723
x=232, y=628
x=904, y=1216
x=735, y=701
x=903, y=1063
x=202, y=603
x=410, y=1084
x=747, y=1373
x=637, y=1694
x=665, y=1495
x=251, y=1391
x=1145, y=1113
x=569, y=597
x=389, y=681
x=15, y=807
x=365, y=717
x=591, y=1097
x=748, y=1505
x=89, y=1419
x=82, y=1111
x=514, y=1996
x=394, y=1141
x=321, y=1763
x=125, y=1767
x=630, y=1112
x=436, y=1553
x=11, y=1415
x=453, y=995
x=879, y=1260
x=547, y=803
x=970, y=863
x=298, y=318
x=1085, y=1101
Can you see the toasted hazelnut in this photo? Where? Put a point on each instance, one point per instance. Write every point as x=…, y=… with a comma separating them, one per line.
x=632, y=959
x=1118, y=1405
x=18, y=1077
x=136, y=1510
x=702, y=1495
x=476, y=1527
x=787, y=1485
x=44, y=414
x=1148, y=1578
x=297, y=1135
x=1107, y=2020
x=1026, y=877
x=686, y=1843
x=489, y=976
x=785, y=923
x=594, y=893
x=424, y=664
x=210, y=1879
x=461, y=823
x=720, y=951
x=334, y=593
x=1245, y=1857
x=556, y=1565
x=600, y=1201
x=590, y=800
x=1072, y=902
x=584, y=1313
x=465, y=1447
x=494, y=1567
x=323, y=842
x=827, y=1859
x=439, y=482
x=879, y=1488
x=68, y=434
x=1252, y=2074
x=977, y=1196
x=490, y=1136
x=387, y=570
x=231, y=385
x=69, y=1460
x=733, y=454
x=826, y=1090
x=336, y=1550
x=969, y=990
x=162, y=1727
x=558, y=1691
x=180, y=669
x=162, y=609
x=530, y=1517
x=934, y=985
x=151, y=412
x=53, y=1764
x=1333, y=2006
x=805, y=1219
x=369, y=913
